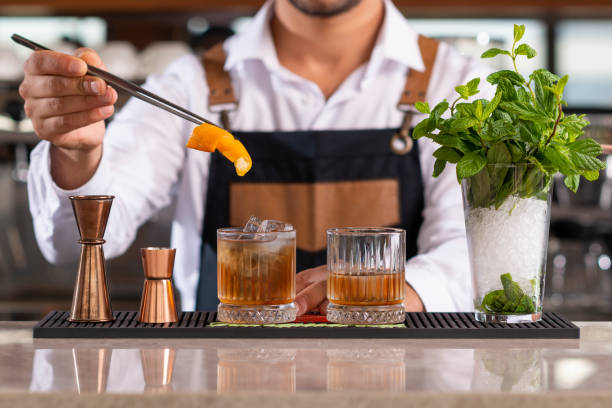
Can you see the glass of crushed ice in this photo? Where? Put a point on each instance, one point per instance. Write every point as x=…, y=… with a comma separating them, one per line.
x=507, y=214
x=256, y=272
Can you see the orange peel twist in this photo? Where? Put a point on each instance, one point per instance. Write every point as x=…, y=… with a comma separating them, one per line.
x=209, y=138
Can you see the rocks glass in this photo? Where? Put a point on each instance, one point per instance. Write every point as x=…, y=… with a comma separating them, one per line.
x=366, y=275
x=256, y=276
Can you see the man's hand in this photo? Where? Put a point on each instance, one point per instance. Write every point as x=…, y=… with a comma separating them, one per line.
x=412, y=301
x=68, y=108
x=311, y=290
x=311, y=293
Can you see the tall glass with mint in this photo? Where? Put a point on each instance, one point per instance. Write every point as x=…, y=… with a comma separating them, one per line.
x=507, y=151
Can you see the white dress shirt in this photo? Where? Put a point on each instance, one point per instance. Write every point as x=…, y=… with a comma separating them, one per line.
x=145, y=163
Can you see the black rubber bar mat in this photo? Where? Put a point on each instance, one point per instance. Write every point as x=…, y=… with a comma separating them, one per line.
x=416, y=326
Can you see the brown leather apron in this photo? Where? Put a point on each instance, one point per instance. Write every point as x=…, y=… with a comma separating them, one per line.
x=314, y=180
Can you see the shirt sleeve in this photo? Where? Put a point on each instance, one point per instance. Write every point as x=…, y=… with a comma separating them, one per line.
x=143, y=154
x=440, y=273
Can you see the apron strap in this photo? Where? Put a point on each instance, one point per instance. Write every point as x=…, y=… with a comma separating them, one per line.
x=417, y=82
x=222, y=98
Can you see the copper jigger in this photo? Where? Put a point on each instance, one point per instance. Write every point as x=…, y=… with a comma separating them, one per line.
x=157, y=367
x=157, y=303
x=91, y=368
x=90, y=302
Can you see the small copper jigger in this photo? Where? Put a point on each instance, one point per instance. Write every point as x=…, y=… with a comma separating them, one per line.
x=90, y=302
x=157, y=367
x=157, y=303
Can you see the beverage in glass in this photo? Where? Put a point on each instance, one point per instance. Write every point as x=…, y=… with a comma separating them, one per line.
x=366, y=278
x=256, y=276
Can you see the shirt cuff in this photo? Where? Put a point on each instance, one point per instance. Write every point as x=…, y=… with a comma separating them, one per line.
x=98, y=184
x=429, y=286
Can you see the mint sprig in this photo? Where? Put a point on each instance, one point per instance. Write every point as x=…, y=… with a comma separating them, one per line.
x=523, y=123
x=510, y=300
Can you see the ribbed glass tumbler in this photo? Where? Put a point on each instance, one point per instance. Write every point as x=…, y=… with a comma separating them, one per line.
x=366, y=268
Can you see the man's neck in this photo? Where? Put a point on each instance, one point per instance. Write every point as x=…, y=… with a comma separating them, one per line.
x=326, y=50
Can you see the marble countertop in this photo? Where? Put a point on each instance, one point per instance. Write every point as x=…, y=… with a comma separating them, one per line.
x=344, y=372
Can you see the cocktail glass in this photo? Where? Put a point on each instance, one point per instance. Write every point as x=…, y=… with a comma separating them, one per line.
x=366, y=268
x=256, y=276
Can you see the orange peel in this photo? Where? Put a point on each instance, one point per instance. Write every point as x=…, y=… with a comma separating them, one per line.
x=209, y=138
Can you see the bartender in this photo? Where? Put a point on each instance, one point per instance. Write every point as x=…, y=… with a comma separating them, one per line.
x=321, y=92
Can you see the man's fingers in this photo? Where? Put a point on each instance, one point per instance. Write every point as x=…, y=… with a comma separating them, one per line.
x=311, y=297
x=57, y=125
x=49, y=107
x=90, y=57
x=54, y=63
x=412, y=300
x=323, y=307
x=49, y=86
x=309, y=276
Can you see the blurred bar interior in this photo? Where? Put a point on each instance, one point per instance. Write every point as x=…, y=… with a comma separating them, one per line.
x=137, y=38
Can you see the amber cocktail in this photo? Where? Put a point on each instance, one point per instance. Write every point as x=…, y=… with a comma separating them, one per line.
x=365, y=283
x=256, y=276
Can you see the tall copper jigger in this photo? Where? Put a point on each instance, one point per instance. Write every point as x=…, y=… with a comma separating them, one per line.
x=90, y=302
x=157, y=303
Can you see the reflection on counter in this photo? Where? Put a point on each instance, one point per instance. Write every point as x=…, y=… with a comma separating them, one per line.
x=288, y=366
x=517, y=370
x=378, y=369
x=157, y=368
x=256, y=370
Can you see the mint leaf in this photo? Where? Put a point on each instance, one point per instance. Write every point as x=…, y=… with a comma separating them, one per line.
x=422, y=107
x=448, y=140
x=439, y=166
x=525, y=49
x=470, y=164
x=492, y=52
x=438, y=110
x=519, y=31
x=516, y=152
x=499, y=153
x=560, y=157
x=461, y=124
x=463, y=91
x=473, y=86
x=478, y=112
x=525, y=111
x=423, y=128
x=513, y=77
x=544, y=95
x=528, y=133
x=572, y=182
x=586, y=146
x=448, y=154
x=561, y=85
x=548, y=78
x=511, y=289
x=591, y=175
x=494, y=130
x=574, y=124
x=491, y=106
x=465, y=109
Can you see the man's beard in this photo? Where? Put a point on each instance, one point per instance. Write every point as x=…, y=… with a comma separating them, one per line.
x=324, y=8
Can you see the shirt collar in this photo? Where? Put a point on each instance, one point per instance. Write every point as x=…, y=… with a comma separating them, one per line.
x=397, y=41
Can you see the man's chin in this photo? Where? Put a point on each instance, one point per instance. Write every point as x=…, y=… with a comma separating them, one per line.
x=324, y=8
